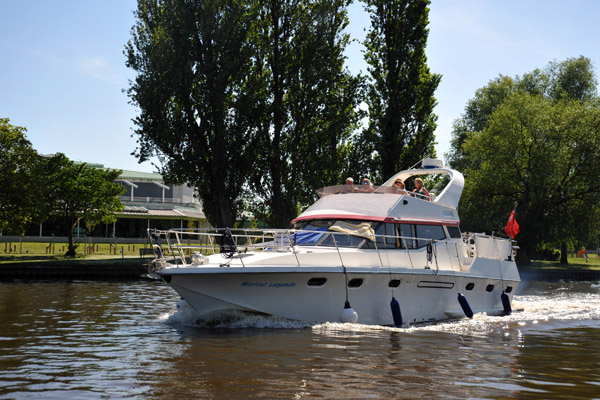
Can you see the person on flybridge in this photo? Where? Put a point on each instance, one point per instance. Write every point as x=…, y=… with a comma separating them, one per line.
x=350, y=185
x=366, y=185
x=398, y=187
x=420, y=190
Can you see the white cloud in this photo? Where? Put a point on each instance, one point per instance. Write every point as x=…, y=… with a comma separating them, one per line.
x=100, y=68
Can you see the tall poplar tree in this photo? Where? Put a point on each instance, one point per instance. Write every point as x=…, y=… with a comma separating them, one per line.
x=310, y=101
x=195, y=89
x=229, y=91
x=400, y=94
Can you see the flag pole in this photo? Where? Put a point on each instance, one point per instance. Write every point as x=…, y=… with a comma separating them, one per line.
x=512, y=224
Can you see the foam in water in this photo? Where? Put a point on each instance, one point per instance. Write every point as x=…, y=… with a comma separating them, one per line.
x=231, y=319
x=547, y=307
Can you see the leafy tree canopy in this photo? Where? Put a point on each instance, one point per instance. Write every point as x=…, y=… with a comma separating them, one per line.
x=196, y=91
x=20, y=180
x=573, y=78
x=309, y=104
x=534, y=141
x=78, y=192
x=241, y=95
x=401, y=89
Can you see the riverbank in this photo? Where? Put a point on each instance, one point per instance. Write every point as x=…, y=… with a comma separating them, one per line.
x=576, y=270
x=79, y=268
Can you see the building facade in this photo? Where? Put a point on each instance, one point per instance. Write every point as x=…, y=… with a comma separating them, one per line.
x=149, y=203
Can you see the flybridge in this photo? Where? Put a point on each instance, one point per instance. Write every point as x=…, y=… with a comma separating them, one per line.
x=384, y=203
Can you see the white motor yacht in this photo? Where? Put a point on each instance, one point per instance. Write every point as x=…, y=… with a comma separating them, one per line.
x=366, y=254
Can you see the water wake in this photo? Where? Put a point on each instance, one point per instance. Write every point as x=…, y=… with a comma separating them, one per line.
x=231, y=319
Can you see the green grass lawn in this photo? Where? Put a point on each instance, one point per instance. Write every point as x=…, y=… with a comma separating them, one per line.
x=48, y=251
x=591, y=263
x=54, y=251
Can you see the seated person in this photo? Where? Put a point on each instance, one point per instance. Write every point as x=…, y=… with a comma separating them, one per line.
x=366, y=185
x=398, y=187
x=350, y=185
x=420, y=190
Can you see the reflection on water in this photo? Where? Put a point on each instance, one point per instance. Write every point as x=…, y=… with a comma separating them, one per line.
x=126, y=340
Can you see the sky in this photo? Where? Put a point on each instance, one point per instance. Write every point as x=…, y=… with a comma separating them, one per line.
x=63, y=73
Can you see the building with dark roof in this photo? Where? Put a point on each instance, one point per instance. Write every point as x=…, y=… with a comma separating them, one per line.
x=149, y=203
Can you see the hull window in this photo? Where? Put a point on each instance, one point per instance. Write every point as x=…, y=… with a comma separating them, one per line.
x=394, y=283
x=316, y=281
x=489, y=288
x=470, y=286
x=508, y=289
x=355, y=282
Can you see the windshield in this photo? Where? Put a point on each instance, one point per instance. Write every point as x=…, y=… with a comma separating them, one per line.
x=332, y=233
x=365, y=234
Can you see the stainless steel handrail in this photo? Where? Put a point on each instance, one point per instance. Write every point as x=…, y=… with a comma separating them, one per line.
x=203, y=240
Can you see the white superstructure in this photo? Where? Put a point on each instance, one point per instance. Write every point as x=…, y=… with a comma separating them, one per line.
x=357, y=246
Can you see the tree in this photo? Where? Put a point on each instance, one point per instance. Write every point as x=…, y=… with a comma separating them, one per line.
x=572, y=78
x=309, y=106
x=400, y=93
x=477, y=112
x=78, y=192
x=196, y=88
x=20, y=180
x=541, y=154
x=564, y=88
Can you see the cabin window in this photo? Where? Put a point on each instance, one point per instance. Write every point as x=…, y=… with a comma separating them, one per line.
x=387, y=230
x=320, y=235
x=381, y=230
x=407, y=231
x=342, y=240
x=453, y=232
x=435, y=232
x=314, y=225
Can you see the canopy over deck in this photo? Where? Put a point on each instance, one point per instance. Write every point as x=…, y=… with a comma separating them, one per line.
x=372, y=203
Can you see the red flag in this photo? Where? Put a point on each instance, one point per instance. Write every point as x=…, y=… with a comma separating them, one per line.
x=512, y=227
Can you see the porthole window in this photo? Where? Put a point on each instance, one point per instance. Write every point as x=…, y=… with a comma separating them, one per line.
x=470, y=286
x=508, y=289
x=489, y=288
x=355, y=282
x=316, y=281
x=394, y=283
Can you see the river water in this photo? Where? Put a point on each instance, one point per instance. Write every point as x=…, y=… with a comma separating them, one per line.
x=112, y=340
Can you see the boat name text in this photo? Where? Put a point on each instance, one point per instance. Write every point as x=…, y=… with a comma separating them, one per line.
x=268, y=284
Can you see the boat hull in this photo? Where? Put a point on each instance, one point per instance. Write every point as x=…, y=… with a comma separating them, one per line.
x=319, y=295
